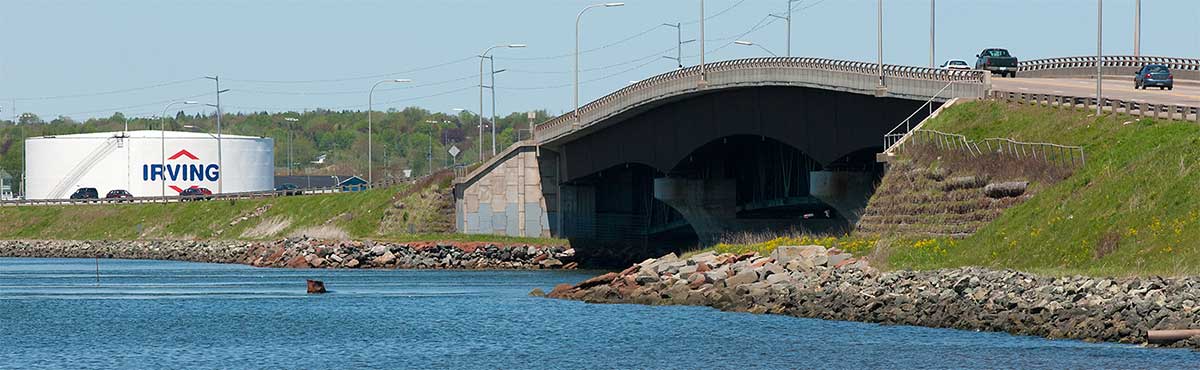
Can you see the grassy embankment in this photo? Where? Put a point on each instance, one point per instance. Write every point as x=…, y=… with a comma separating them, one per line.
x=1134, y=209
x=402, y=213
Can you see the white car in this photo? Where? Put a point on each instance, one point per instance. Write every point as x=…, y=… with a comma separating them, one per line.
x=955, y=64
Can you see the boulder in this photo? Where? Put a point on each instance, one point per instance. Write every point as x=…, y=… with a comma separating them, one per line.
x=316, y=287
x=378, y=250
x=550, y=263
x=537, y=292
x=743, y=277
x=836, y=259
x=385, y=259
x=351, y=263
x=598, y=280
x=297, y=262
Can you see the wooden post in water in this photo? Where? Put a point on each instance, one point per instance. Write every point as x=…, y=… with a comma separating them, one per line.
x=97, y=270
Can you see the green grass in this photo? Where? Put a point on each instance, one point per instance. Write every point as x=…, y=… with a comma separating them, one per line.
x=1139, y=188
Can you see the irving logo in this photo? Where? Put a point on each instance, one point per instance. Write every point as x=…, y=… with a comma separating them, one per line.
x=176, y=172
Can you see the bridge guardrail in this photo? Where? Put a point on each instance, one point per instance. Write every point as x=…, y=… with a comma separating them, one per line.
x=1131, y=107
x=689, y=78
x=1119, y=65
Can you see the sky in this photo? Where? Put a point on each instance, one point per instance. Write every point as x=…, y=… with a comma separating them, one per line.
x=87, y=59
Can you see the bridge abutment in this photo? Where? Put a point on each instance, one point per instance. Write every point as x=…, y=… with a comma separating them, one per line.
x=508, y=195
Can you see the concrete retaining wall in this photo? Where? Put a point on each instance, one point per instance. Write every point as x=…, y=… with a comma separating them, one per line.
x=508, y=198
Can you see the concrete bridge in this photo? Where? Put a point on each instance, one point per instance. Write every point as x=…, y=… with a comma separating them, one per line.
x=739, y=145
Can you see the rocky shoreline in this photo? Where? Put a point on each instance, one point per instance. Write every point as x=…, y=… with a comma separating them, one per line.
x=814, y=282
x=307, y=253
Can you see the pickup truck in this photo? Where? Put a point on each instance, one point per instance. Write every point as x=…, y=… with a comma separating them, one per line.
x=998, y=61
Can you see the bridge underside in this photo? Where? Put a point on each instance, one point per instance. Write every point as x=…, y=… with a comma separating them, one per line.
x=703, y=167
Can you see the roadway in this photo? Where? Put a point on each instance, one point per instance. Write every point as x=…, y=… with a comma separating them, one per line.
x=1185, y=93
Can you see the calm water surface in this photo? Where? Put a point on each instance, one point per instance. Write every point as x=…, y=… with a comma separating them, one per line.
x=154, y=314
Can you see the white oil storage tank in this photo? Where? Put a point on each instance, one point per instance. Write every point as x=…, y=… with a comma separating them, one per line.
x=147, y=163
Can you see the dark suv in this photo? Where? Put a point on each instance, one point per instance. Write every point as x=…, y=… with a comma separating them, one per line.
x=288, y=189
x=1154, y=75
x=86, y=193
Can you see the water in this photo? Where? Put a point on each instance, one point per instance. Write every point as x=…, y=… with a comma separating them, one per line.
x=154, y=314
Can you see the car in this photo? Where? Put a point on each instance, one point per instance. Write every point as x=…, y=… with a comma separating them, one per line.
x=195, y=193
x=955, y=64
x=118, y=194
x=998, y=61
x=1154, y=75
x=288, y=189
x=85, y=193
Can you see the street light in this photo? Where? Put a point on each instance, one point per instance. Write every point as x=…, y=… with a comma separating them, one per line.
x=432, y=126
x=748, y=43
x=679, y=41
x=787, y=18
x=483, y=56
x=1099, y=57
x=220, y=179
x=290, y=120
x=370, y=102
x=162, y=130
x=578, y=19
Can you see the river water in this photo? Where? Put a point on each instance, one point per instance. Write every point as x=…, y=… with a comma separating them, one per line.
x=156, y=314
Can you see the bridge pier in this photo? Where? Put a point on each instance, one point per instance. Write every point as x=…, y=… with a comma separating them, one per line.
x=847, y=192
x=709, y=205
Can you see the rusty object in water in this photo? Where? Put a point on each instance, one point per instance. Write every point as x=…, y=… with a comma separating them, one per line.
x=316, y=287
x=1169, y=336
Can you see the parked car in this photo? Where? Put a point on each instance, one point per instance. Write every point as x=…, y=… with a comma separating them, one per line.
x=85, y=193
x=196, y=193
x=118, y=194
x=288, y=189
x=955, y=64
x=1154, y=75
x=998, y=61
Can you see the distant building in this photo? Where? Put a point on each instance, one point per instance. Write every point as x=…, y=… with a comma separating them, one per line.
x=6, y=185
x=353, y=183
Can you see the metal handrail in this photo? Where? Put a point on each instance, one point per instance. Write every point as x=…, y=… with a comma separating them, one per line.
x=1048, y=152
x=888, y=147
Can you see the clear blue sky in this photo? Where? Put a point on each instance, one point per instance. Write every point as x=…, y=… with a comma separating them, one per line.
x=265, y=50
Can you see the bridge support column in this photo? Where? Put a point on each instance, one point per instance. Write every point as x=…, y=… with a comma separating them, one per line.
x=709, y=205
x=846, y=192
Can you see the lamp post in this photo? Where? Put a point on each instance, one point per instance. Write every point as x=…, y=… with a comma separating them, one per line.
x=703, y=73
x=1099, y=57
x=787, y=17
x=1137, y=28
x=879, y=40
x=578, y=19
x=932, y=29
x=748, y=43
x=483, y=56
x=290, y=120
x=679, y=41
x=220, y=179
x=163, y=143
x=370, y=103
x=432, y=128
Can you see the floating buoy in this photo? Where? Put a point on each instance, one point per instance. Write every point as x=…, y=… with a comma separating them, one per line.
x=316, y=287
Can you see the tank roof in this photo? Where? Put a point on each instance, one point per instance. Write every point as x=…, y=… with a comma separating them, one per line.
x=144, y=134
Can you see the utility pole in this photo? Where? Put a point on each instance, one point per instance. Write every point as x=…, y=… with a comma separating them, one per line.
x=1137, y=28
x=787, y=17
x=220, y=165
x=703, y=75
x=679, y=43
x=1099, y=57
x=932, y=29
x=879, y=31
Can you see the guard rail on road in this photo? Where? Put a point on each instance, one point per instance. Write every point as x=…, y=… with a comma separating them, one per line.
x=230, y=196
x=1111, y=65
x=1131, y=107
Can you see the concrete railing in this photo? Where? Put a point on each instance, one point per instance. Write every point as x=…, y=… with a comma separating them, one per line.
x=917, y=83
x=1112, y=65
x=1131, y=107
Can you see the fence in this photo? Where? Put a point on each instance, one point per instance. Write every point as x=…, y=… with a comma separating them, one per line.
x=1131, y=107
x=1055, y=154
x=894, y=138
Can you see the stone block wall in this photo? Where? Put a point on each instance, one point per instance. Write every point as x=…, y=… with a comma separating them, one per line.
x=507, y=198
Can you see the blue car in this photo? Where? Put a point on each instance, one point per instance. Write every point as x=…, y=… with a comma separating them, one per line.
x=1154, y=75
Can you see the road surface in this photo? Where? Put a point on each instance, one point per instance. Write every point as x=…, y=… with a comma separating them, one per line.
x=1185, y=93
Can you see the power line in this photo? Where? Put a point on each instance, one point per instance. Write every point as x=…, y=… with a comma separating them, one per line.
x=101, y=93
x=356, y=78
